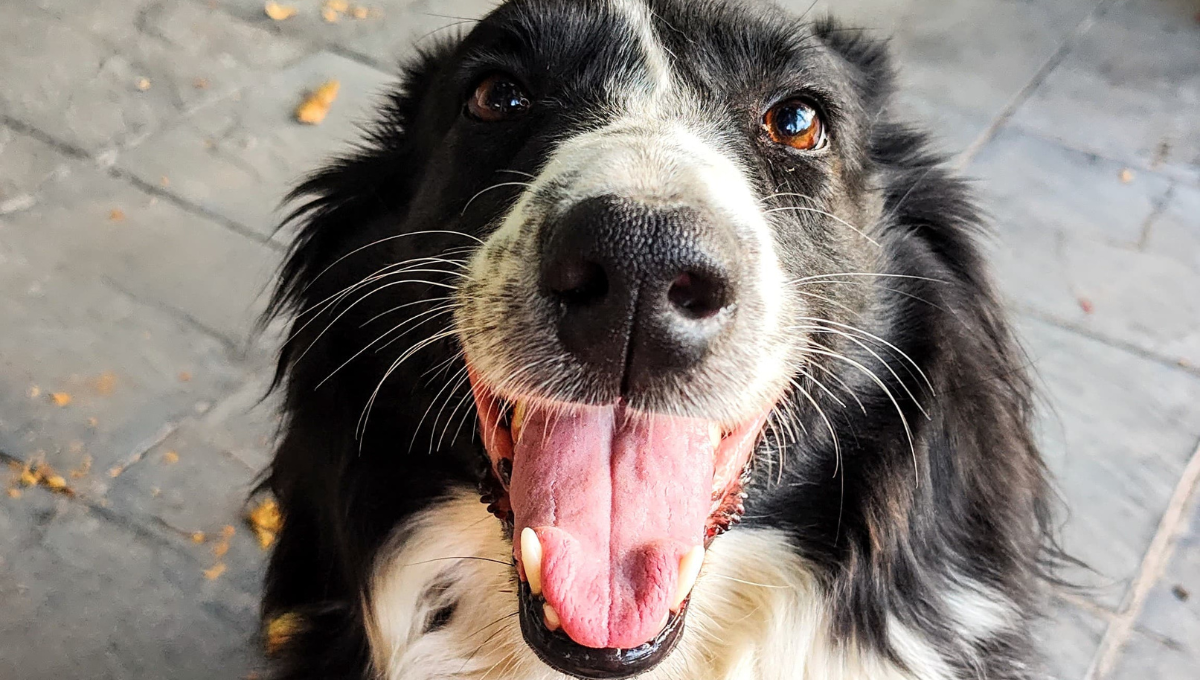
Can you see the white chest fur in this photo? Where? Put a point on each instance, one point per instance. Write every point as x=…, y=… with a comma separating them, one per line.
x=756, y=612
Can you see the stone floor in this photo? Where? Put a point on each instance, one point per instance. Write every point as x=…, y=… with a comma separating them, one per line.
x=143, y=144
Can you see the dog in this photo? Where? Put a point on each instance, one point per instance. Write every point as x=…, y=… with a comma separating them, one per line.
x=637, y=337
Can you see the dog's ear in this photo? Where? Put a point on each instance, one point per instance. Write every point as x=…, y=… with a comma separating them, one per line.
x=867, y=54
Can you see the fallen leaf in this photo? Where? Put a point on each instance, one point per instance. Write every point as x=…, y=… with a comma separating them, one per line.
x=143, y=84
x=359, y=12
x=213, y=573
x=315, y=107
x=60, y=398
x=329, y=15
x=170, y=457
x=116, y=215
x=84, y=468
x=106, y=383
x=1126, y=176
x=266, y=521
x=228, y=531
x=337, y=5
x=279, y=12
x=280, y=630
x=14, y=493
x=198, y=537
x=55, y=482
x=116, y=471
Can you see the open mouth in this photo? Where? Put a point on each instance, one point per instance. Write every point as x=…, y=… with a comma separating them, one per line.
x=612, y=511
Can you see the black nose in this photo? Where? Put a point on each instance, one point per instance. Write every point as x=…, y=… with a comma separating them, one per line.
x=641, y=291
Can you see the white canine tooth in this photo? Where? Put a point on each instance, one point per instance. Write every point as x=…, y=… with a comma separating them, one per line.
x=689, y=571
x=531, y=559
x=553, y=623
x=665, y=620
x=518, y=421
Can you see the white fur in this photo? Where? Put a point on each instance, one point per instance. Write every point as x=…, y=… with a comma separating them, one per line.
x=756, y=613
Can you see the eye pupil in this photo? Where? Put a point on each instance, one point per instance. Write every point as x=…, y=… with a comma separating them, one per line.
x=498, y=98
x=794, y=123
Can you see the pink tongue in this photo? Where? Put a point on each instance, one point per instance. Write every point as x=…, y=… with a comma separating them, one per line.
x=617, y=501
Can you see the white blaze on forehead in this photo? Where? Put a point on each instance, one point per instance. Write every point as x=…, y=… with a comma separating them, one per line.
x=658, y=64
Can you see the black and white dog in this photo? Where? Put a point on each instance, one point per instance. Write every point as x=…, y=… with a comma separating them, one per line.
x=666, y=286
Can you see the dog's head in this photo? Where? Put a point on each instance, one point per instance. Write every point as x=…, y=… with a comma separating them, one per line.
x=664, y=204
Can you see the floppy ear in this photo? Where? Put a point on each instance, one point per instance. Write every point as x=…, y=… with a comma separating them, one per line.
x=379, y=176
x=868, y=56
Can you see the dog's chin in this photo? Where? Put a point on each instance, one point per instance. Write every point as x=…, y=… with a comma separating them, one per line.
x=560, y=652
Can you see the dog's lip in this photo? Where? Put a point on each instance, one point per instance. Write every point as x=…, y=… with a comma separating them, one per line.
x=564, y=655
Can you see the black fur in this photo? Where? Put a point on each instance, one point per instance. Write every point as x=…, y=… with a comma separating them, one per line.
x=888, y=525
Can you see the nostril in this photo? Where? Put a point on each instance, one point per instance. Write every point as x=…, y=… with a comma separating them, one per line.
x=577, y=282
x=696, y=295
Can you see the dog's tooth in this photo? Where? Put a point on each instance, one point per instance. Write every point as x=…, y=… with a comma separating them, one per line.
x=553, y=623
x=518, y=421
x=665, y=620
x=689, y=571
x=531, y=559
x=715, y=432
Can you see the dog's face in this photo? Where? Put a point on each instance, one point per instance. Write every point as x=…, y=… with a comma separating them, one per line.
x=667, y=204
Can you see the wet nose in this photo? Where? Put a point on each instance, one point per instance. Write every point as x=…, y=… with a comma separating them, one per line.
x=642, y=291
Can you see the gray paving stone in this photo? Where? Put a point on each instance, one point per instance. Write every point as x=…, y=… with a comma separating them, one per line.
x=119, y=361
x=957, y=64
x=245, y=423
x=1117, y=431
x=1145, y=657
x=87, y=95
x=25, y=165
x=391, y=32
x=238, y=158
x=154, y=251
x=1171, y=615
x=85, y=597
x=1130, y=89
x=1069, y=233
x=1176, y=232
x=1069, y=638
x=189, y=485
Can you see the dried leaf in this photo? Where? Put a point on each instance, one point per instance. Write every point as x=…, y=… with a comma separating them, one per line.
x=143, y=84
x=360, y=12
x=213, y=573
x=266, y=521
x=329, y=15
x=60, y=398
x=106, y=383
x=14, y=493
x=315, y=107
x=170, y=457
x=279, y=12
x=116, y=215
x=198, y=537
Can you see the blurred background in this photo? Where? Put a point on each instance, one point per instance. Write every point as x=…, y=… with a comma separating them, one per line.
x=145, y=143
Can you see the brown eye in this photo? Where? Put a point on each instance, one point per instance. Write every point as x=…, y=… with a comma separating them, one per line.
x=795, y=123
x=497, y=98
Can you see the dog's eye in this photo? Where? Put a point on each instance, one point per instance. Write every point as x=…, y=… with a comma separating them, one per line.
x=498, y=97
x=795, y=123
